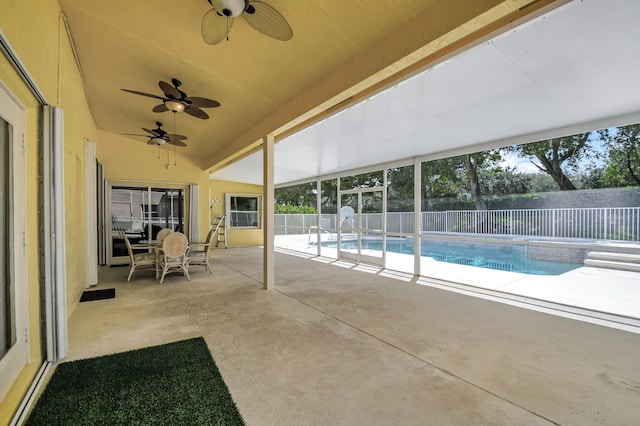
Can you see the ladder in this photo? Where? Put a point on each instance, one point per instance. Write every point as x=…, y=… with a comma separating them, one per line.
x=219, y=229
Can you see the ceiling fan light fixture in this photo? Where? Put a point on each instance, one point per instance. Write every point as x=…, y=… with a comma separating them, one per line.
x=229, y=8
x=175, y=106
x=158, y=141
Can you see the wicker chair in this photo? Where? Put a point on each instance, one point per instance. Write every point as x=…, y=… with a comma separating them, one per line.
x=143, y=259
x=172, y=256
x=162, y=234
x=199, y=252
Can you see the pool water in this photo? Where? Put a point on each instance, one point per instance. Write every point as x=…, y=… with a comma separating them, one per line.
x=514, y=259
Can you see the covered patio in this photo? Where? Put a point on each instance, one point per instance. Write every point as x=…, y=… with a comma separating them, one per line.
x=339, y=344
x=331, y=342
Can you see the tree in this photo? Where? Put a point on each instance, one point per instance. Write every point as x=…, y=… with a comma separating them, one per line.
x=441, y=179
x=463, y=175
x=296, y=195
x=400, y=189
x=554, y=153
x=364, y=180
x=472, y=162
x=623, y=144
x=290, y=209
x=506, y=182
x=329, y=195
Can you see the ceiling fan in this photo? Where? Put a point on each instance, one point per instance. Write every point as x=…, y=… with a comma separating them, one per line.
x=218, y=21
x=159, y=137
x=177, y=101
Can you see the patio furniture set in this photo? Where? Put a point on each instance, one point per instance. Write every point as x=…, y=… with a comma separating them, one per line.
x=170, y=252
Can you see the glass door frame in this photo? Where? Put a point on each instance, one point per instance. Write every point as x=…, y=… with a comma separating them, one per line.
x=148, y=188
x=17, y=355
x=359, y=256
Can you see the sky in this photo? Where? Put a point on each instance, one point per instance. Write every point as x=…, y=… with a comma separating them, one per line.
x=526, y=165
x=523, y=165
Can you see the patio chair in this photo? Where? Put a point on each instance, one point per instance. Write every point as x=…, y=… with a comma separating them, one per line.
x=141, y=260
x=172, y=256
x=199, y=252
x=162, y=234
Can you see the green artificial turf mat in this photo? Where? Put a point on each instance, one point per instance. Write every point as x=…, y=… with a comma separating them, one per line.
x=173, y=384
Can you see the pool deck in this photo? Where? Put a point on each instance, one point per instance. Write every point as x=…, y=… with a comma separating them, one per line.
x=600, y=291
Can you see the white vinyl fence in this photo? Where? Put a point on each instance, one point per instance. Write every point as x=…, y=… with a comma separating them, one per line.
x=619, y=223
x=616, y=223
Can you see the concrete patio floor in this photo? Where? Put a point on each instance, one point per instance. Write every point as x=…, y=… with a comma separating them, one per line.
x=341, y=344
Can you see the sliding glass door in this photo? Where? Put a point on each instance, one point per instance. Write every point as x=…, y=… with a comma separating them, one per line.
x=140, y=212
x=14, y=324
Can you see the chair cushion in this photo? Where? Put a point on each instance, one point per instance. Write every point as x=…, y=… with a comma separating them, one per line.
x=144, y=256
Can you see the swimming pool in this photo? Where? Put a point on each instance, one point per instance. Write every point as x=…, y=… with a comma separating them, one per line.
x=512, y=259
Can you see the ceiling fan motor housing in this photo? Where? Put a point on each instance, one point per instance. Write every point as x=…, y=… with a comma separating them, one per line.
x=175, y=105
x=229, y=8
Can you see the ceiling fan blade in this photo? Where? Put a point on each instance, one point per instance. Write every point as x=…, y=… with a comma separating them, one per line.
x=268, y=21
x=176, y=137
x=196, y=112
x=169, y=91
x=176, y=143
x=215, y=28
x=202, y=102
x=160, y=108
x=135, y=92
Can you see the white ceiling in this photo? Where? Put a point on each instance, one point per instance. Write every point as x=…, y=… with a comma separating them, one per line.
x=572, y=70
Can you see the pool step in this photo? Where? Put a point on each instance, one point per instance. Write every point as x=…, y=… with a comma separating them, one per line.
x=611, y=260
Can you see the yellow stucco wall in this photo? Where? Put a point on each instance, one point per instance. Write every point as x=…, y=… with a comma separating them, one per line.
x=46, y=53
x=127, y=159
x=78, y=128
x=217, y=191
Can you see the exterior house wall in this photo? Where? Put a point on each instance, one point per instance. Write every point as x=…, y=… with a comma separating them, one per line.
x=37, y=34
x=217, y=191
x=126, y=159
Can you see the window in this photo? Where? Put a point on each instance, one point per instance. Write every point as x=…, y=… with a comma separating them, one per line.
x=244, y=211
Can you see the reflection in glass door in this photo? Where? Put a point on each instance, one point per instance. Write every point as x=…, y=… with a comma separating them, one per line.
x=140, y=213
x=361, y=226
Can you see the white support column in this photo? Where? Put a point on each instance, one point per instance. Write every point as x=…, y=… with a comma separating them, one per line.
x=91, y=212
x=268, y=223
x=319, y=207
x=417, y=209
x=385, y=183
